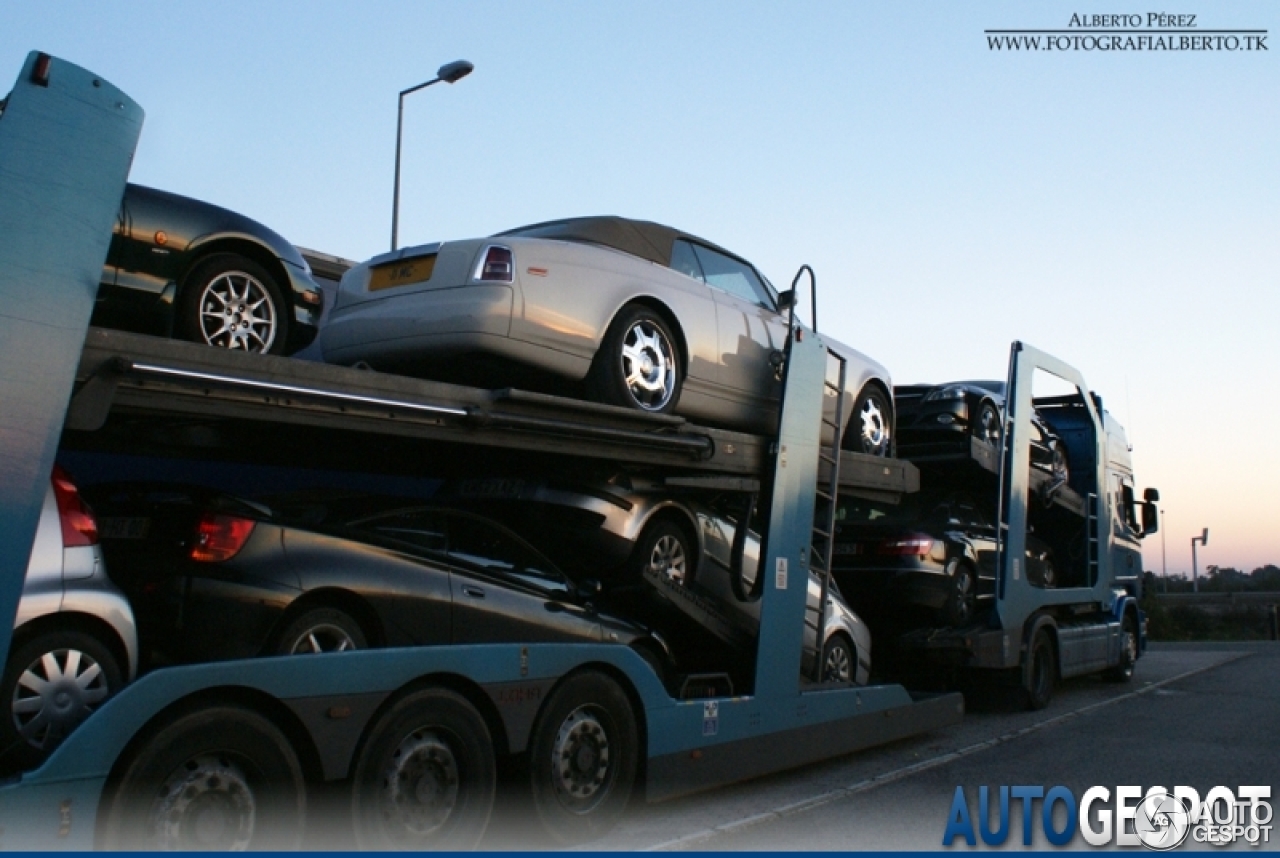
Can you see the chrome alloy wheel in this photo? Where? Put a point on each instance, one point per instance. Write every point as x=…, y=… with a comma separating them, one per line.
x=55, y=693
x=837, y=666
x=580, y=761
x=668, y=558
x=419, y=787
x=649, y=366
x=206, y=803
x=988, y=428
x=236, y=313
x=324, y=637
x=875, y=428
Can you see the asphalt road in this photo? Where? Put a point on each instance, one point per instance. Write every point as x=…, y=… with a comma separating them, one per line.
x=1199, y=715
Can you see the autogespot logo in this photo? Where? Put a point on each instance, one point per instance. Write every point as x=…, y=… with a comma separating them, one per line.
x=1160, y=819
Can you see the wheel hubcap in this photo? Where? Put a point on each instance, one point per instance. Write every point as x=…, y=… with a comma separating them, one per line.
x=580, y=761
x=207, y=803
x=875, y=429
x=648, y=366
x=989, y=425
x=419, y=787
x=236, y=312
x=668, y=558
x=55, y=693
x=322, y=638
x=838, y=667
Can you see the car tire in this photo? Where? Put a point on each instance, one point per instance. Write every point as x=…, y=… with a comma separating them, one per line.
x=961, y=604
x=988, y=427
x=232, y=302
x=50, y=684
x=1039, y=673
x=321, y=630
x=1060, y=465
x=222, y=778
x=666, y=549
x=1123, y=672
x=584, y=755
x=638, y=365
x=870, y=429
x=839, y=661
x=426, y=777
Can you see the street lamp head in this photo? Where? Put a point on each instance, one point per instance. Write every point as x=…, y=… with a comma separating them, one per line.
x=454, y=71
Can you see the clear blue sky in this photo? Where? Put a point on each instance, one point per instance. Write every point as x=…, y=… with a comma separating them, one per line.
x=1119, y=210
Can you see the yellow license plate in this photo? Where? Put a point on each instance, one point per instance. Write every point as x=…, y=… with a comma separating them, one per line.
x=402, y=273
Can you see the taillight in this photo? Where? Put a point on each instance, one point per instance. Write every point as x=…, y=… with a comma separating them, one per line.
x=78, y=524
x=220, y=537
x=910, y=545
x=496, y=266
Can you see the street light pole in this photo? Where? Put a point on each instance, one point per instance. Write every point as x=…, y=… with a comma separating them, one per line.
x=1164, y=554
x=1203, y=539
x=449, y=73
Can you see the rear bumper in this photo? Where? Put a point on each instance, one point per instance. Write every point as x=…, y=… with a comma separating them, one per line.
x=431, y=323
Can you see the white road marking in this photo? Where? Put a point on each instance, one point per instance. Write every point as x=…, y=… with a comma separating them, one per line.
x=820, y=799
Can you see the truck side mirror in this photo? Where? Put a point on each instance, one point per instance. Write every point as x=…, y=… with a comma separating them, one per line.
x=1151, y=495
x=786, y=300
x=1150, y=515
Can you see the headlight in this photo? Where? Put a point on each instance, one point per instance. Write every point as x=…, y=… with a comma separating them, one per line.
x=946, y=393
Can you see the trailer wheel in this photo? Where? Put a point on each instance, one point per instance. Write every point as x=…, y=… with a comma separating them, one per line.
x=1123, y=671
x=1039, y=672
x=222, y=778
x=426, y=777
x=583, y=758
x=962, y=603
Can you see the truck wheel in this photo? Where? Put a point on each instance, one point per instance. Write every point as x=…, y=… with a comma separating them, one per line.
x=638, y=365
x=231, y=302
x=222, y=778
x=51, y=684
x=1123, y=671
x=962, y=603
x=321, y=630
x=425, y=779
x=665, y=549
x=1039, y=672
x=583, y=758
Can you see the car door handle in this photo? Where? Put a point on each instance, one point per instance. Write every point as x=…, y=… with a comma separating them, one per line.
x=473, y=592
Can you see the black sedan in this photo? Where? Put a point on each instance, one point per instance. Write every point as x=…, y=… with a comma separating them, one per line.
x=935, y=551
x=939, y=418
x=213, y=577
x=185, y=268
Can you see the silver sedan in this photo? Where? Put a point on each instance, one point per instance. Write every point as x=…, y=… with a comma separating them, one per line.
x=637, y=314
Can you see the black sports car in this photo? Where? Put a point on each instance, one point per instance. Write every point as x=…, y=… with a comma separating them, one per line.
x=185, y=268
x=939, y=418
x=936, y=550
x=213, y=577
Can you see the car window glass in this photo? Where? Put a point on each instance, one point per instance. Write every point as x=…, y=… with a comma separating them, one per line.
x=729, y=275
x=482, y=545
x=417, y=528
x=684, y=260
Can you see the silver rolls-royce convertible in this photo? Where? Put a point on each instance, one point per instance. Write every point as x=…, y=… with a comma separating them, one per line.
x=637, y=314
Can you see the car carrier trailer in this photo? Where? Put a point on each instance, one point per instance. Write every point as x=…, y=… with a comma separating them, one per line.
x=224, y=755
